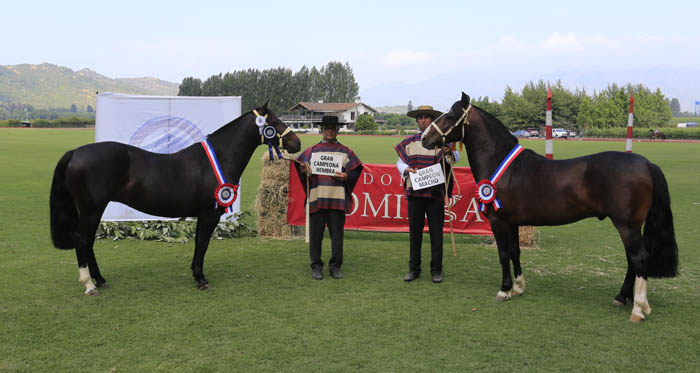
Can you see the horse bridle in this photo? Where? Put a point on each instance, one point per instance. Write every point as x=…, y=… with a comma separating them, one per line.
x=464, y=119
x=268, y=133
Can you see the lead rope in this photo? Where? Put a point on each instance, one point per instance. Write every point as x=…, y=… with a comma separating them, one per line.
x=447, y=203
x=308, y=181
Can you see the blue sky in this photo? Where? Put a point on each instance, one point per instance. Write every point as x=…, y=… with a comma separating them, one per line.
x=384, y=41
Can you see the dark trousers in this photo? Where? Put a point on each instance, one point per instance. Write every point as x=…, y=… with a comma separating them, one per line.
x=418, y=209
x=335, y=219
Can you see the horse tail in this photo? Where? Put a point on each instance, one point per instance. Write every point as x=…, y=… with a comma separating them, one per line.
x=659, y=235
x=64, y=214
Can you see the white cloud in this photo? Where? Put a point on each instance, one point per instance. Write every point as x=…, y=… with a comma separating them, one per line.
x=562, y=42
x=405, y=58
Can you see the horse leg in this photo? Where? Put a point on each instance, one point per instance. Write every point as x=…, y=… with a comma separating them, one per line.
x=638, y=256
x=519, y=284
x=84, y=251
x=625, y=293
x=205, y=227
x=504, y=240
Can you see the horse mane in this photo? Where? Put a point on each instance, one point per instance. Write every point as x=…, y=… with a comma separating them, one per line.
x=496, y=129
x=229, y=124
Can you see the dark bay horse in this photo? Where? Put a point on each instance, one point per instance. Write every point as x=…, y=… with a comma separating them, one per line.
x=533, y=190
x=180, y=184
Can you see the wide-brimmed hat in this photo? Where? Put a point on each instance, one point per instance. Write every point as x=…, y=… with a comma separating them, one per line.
x=424, y=109
x=328, y=121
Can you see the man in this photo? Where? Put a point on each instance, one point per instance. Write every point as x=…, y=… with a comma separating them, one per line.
x=424, y=202
x=329, y=196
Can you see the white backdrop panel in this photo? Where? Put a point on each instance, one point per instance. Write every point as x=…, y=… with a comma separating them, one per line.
x=160, y=124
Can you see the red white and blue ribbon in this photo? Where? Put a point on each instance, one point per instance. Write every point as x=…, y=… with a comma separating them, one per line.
x=486, y=189
x=226, y=193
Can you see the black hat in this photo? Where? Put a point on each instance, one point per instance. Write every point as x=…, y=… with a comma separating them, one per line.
x=329, y=121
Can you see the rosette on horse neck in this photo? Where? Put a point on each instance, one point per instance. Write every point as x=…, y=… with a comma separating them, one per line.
x=533, y=190
x=181, y=184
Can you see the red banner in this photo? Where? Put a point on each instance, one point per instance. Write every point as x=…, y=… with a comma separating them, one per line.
x=379, y=203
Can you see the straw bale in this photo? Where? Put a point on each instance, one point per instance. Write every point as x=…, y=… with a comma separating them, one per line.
x=271, y=200
x=528, y=237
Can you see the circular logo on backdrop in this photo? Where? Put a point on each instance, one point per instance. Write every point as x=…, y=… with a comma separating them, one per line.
x=166, y=134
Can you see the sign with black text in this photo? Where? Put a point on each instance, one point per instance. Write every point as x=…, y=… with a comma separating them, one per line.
x=326, y=164
x=427, y=177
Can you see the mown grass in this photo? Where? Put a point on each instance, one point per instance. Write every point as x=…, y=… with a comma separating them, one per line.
x=265, y=313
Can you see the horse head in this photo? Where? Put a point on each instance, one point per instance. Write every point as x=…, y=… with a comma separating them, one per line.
x=290, y=141
x=450, y=126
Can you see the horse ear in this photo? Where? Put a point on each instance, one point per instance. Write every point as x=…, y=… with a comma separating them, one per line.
x=265, y=105
x=465, y=99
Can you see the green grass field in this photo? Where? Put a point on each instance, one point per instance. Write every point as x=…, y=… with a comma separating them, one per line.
x=265, y=313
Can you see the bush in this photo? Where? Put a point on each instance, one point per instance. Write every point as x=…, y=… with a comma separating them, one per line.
x=365, y=122
x=173, y=230
x=643, y=133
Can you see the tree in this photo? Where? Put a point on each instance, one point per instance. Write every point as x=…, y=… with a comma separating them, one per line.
x=190, y=87
x=409, y=107
x=365, y=122
x=675, y=107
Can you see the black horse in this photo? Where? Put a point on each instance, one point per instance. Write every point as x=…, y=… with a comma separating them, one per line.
x=181, y=184
x=536, y=191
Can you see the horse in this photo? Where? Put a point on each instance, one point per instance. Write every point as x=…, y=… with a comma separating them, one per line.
x=181, y=184
x=656, y=134
x=520, y=187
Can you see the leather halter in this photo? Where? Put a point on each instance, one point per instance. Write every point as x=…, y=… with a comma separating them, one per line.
x=462, y=120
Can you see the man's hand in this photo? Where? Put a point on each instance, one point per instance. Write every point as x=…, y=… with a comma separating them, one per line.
x=341, y=176
x=411, y=170
x=305, y=168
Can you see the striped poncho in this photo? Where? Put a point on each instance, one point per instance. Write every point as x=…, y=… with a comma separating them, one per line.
x=412, y=153
x=326, y=192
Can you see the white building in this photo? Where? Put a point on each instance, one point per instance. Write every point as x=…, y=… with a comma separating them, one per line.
x=306, y=113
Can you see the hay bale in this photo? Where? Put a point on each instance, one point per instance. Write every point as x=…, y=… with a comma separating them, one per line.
x=528, y=237
x=272, y=198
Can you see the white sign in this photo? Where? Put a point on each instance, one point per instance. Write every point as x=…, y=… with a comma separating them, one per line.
x=326, y=164
x=427, y=177
x=160, y=124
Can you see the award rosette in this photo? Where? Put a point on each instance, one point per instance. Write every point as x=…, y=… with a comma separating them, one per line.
x=226, y=194
x=485, y=192
x=269, y=132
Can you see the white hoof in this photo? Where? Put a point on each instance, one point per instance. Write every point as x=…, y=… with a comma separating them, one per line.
x=636, y=317
x=503, y=296
x=519, y=285
x=92, y=292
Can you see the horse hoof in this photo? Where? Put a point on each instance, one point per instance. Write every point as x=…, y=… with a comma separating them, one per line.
x=636, y=318
x=203, y=286
x=102, y=285
x=617, y=303
x=503, y=296
x=92, y=292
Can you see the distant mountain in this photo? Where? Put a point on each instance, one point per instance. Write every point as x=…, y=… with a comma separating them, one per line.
x=47, y=85
x=443, y=90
